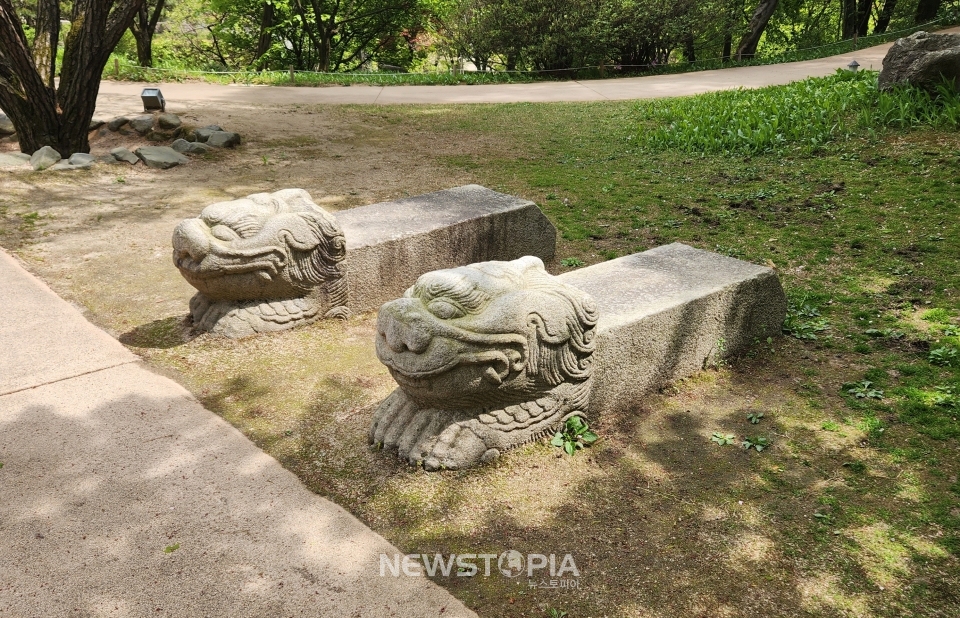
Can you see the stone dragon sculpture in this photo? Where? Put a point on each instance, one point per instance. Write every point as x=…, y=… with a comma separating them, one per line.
x=267, y=262
x=487, y=357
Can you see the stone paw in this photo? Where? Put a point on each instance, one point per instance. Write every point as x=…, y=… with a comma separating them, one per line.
x=459, y=445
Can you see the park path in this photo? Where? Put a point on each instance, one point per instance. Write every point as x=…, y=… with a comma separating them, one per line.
x=116, y=96
x=120, y=495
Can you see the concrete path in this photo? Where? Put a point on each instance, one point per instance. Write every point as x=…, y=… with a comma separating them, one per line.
x=105, y=465
x=117, y=96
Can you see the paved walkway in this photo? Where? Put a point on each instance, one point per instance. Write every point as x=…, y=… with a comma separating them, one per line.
x=117, y=95
x=106, y=464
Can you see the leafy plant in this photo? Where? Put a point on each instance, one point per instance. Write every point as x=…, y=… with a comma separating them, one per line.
x=945, y=396
x=723, y=439
x=863, y=390
x=804, y=321
x=944, y=356
x=169, y=549
x=754, y=417
x=951, y=331
x=571, y=262
x=890, y=333
x=756, y=442
x=556, y=613
x=574, y=435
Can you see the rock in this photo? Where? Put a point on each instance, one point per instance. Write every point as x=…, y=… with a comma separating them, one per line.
x=67, y=166
x=922, y=59
x=44, y=158
x=82, y=159
x=157, y=135
x=203, y=134
x=478, y=377
x=223, y=139
x=116, y=123
x=160, y=157
x=168, y=121
x=13, y=159
x=267, y=294
x=142, y=124
x=6, y=126
x=96, y=123
x=122, y=154
x=184, y=147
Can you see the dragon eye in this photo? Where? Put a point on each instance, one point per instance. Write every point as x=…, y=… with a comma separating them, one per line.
x=445, y=310
x=224, y=233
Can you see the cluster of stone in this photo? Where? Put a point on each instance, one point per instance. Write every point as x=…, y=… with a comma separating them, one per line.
x=46, y=158
x=159, y=127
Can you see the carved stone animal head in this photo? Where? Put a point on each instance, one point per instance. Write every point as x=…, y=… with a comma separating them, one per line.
x=488, y=334
x=265, y=246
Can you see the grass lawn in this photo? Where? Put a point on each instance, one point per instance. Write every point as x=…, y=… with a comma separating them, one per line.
x=852, y=510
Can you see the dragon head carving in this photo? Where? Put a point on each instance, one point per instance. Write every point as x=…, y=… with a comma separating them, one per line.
x=265, y=262
x=486, y=357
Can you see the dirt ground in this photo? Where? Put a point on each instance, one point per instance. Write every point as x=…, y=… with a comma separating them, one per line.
x=661, y=522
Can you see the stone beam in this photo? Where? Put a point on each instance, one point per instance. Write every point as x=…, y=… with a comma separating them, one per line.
x=669, y=312
x=390, y=244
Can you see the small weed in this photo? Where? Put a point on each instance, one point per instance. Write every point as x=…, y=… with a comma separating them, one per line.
x=556, y=613
x=804, y=321
x=169, y=549
x=945, y=397
x=889, y=333
x=756, y=442
x=120, y=180
x=950, y=331
x=856, y=466
x=823, y=518
x=723, y=439
x=572, y=262
x=830, y=426
x=754, y=417
x=575, y=435
x=265, y=159
x=943, y=357
x=863, y=390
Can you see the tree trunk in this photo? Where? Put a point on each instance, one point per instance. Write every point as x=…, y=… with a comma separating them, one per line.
x=864, y=8
x=143, y=28
x=848, y=18
x=59, y=118
x=689, y=52
x=266, y=36
x=758, y=23
x=46, y=38
x=926, y=11
x=883, y=20
x=727, y=45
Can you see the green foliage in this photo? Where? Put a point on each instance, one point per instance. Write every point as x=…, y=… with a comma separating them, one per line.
x=574, y=435
x=571, y=262
x=938, y=315
x=862, y=390
x=805, y=114
x=754, y=417
x=723, y=439
x=803, y=320
x=945, y=356
x=556, y=613
x=758, y=443
x=169, y=549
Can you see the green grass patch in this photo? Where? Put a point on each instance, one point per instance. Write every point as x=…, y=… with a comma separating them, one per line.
x=806, y=114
